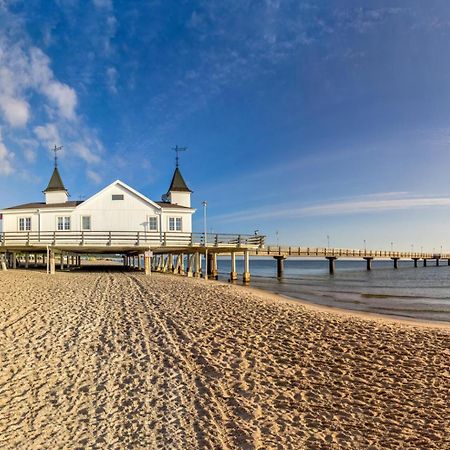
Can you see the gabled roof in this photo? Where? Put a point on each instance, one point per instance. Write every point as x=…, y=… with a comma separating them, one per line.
x=128, y=188
x=178, y=183
x=55, y=183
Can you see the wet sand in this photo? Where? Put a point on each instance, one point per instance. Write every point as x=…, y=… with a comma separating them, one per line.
x=120, y=360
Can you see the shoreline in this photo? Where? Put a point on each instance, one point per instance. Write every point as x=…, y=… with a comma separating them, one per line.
x=399, y=320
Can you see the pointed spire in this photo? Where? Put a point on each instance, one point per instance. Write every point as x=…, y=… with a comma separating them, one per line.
x=55, y=183
x=178, y=184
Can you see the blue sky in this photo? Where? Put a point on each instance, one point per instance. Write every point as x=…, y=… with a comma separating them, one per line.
x=303, y=118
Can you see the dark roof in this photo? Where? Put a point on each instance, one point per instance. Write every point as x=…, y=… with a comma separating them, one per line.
x=55, y=183
x=171, y=205
x=41, y=205
x=178, y=183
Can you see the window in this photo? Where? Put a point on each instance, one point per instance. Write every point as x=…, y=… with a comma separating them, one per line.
x=63, y=223
x=85, y=223
x=117, y=197
x=175, y=223
x=24, y=223
x=152, y=224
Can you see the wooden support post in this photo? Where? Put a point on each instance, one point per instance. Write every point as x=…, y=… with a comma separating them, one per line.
x=424, y=262
x=27, y=260
x=170, y=268
x=181, y=264
x=147, y=266
x=139, y=262
x=62, y=260
x=214, y=268
x=198, y=265
x=35, y=260
x=246, y=274
x=331, y=264
x=52, y=262
x=233, y=273
x=3, y=261
x=395, y=262
x=437, y=262
x=280, y=265
x=416, y=262
x=369, y=262
x=448, y=261
x=190, y=264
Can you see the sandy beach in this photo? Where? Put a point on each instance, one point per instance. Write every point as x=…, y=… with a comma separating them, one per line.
x=122, y=361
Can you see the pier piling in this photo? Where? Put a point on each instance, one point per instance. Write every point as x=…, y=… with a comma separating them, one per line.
x=233, y=273
x=280, y=265
x=246, y=274
x=369, y=262
x=331, y=264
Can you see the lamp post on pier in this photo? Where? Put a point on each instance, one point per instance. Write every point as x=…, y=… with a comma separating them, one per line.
x=205, y=239
x=328, y=241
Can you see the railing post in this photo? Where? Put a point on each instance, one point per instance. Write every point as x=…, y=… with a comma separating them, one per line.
x=54, y=238
x=216, y=240
x=82, y=238
x=28, y=238
x=165, y=238
x=191, y=242
x=110, y=238
x=138, y=238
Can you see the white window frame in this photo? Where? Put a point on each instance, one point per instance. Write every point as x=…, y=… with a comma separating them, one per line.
x=175, y=221
x=155, y=218
x=26, y=223
x=66, y=223
x=90, y=223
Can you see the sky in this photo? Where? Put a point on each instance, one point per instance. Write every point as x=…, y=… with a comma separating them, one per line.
x=303, y=119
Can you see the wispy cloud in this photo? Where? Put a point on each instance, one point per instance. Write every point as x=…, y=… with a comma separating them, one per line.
x=378, y=202
x=36, y=108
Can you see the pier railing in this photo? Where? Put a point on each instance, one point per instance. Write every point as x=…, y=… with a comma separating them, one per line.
x=128, y=238
x=275, y=250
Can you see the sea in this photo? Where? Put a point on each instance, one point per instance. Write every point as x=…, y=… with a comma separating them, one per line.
x=407, y=292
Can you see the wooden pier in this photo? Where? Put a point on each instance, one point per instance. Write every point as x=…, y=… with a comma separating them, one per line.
x=176, y=252
x=166, y=252
x=280, y=254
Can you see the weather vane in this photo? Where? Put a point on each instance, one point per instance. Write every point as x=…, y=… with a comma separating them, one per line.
x=177, y=150
x=56, y=150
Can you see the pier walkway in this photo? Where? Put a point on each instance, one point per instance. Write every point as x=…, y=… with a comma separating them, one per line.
x=176, y=252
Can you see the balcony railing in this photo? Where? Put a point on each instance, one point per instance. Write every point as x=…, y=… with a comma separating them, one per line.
x=128, y=238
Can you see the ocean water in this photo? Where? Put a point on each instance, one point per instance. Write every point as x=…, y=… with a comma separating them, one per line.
x=419, y=293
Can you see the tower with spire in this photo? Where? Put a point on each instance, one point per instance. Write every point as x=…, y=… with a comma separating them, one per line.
x=56, y=192
x=178, y=192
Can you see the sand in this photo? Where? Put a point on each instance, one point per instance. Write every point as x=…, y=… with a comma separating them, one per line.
x=124, y=361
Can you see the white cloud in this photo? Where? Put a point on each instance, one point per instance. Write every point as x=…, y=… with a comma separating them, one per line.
x=15, y=110
x=48, y=134
x=6, y=157
x=103, y=4
x=111, y=74
x=360, y=205
x=93, y=176
x=63, y=96
x=83, y=152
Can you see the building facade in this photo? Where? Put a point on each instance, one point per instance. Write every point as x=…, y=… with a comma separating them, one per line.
x=117, y=207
